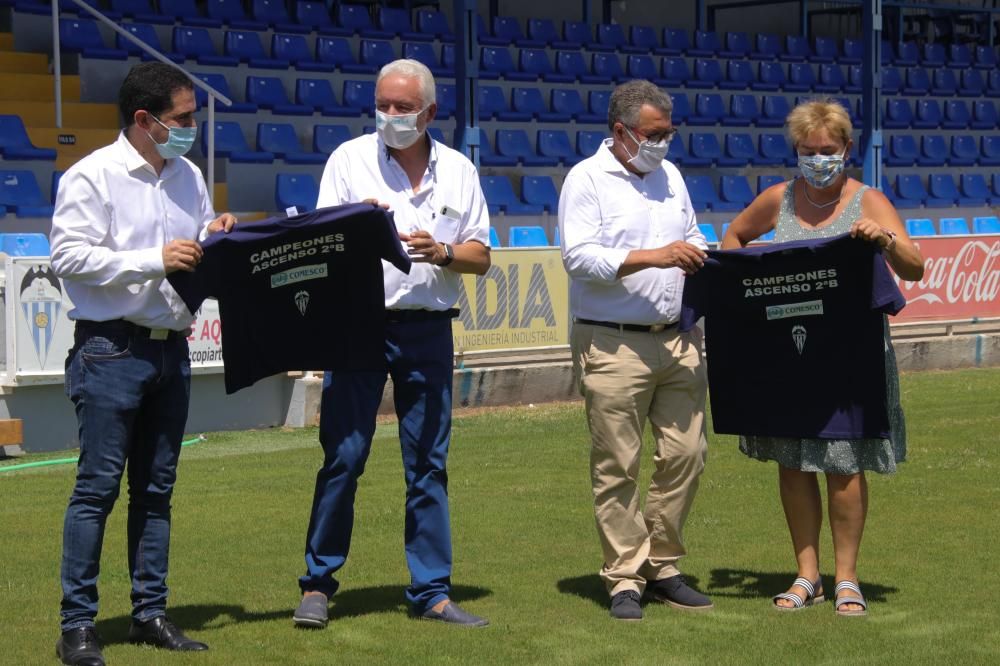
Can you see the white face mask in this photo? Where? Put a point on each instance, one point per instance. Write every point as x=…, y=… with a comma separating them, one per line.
x=649, y=156
x=179, y=140
x=398, y=131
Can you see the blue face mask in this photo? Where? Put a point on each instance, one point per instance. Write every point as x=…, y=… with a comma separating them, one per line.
x=179, y=140
x=821, y=170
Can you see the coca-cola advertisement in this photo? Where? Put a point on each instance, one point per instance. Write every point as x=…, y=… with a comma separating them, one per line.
x=961, y=280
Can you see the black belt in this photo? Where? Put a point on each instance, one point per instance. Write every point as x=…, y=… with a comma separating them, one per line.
x=638, y=328
x=121, y=326
x=402, y=316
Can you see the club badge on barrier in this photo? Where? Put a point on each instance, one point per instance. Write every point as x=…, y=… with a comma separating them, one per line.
x=41, y=303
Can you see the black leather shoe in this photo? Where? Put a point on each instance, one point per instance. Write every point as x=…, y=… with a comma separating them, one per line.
x=162, y=633
x=80, y=647
x=625, y=606
x=675, y=592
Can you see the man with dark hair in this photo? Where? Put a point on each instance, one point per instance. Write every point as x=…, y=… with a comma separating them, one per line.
x=629, y=235
x=126, y=216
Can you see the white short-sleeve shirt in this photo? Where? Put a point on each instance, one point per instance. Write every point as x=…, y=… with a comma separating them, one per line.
x=449, y=205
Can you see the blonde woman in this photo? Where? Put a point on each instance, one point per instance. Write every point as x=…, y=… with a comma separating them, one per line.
x=823, y=202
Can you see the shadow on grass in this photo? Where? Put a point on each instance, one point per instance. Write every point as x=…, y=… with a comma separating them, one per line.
x=347, y=603
x=746, y=584
x=591, y=587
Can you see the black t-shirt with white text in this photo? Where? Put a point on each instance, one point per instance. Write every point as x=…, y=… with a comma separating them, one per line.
x=795, y=338
x=298, y=293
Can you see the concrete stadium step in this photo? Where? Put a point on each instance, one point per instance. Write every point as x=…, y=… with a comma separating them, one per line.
x=75, y=114
x=24, y=63
x=71, y=142
x=37, y=87
x=6, y=41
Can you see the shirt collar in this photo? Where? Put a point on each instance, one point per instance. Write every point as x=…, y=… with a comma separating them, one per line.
x=134, y=161
x=607, y=160
x=383, y=150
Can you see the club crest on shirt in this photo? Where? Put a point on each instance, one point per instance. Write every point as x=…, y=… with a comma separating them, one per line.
x=799, y=336
x=302, y=301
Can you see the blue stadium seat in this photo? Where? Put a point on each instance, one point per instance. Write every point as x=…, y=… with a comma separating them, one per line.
x=643, y=67
x=280, y=139
x=612, y=35
x=555, y=144
x=376, y=53
x=587, y=143
x=964, y=151
x=942, y=186
x=598, y=102
x=801, y=78
x=295, y=49
x=245, y=45
x=743, y=111
x=187, y=13
x=424, y=52
x=268, y=92
x=708, y=231
x=766, y=181
x=318, y=95
x=571, y=63
x=956, y=114
x=909, y=191
x=77, y=35
x=357, y=19
x=675, y=41
x=447, y=100
x=704, y=197
x=739, y=75
x=906, y=54
x=544, y=30
x=483, y=35
x=15, y=143
x=327, y=138
x=581, y=33
x=682, y=108
x=704, y=149
x=973, y=186
x=532, y=236
x=986, y=225
x=709, y=109
x=643, y=37
x=488, y=157
x=360, y=95
x=890, y=193
x=774, y=111
x=902, y=151
x=953, y=226
x=927, y=115
x=230, y=143
x=146, y=33
x=917, y=81
x=825, y=50
x=509, y=28
x=933, y=150
x=231, y=12
x=855, y=80
x=898, y=114
x=568, y=101
x=706, y=44
x=295, y=189
x=971, y=83
x=25, y=244
x=959, y=56
x=932, y=55
x=677, y=153
x=493, y=104
x=496, y=61
x=494, y=238
x=676, y=72
x=736, y=189
x=515, y=143
x=336, y=51
x=920, y=226
x=608, y=66
x=396, y=21
x=196, y=43
x=20, y=193
x=736, y=45
x=530, y=101
x=540, y=191
x=984, y=58
x=767, y=46
x=536, y=62
x=993, y=83
x=218, y=81
x=891, y=81
x=944, y=82
x=314, y=14
x=853, y=51
x=770, y=77
x=141, y=11
x=500, y=197
x=774, y=150
x=435, y=23
x=796, y=49
x=707, y=74
x=275, y=14
x=989, y=150
x=831, y=79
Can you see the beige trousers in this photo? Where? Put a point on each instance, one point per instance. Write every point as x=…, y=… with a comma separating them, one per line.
x=626, y=378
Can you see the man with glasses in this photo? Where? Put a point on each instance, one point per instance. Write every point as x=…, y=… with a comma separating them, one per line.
x=629, y=236
x=441, y=216
x=126, y=216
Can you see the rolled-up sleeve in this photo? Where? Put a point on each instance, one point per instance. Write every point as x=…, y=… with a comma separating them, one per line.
x=584, y=257
x=81, y=222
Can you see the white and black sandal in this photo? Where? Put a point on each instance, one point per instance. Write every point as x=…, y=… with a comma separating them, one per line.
x=855, y=598
x=798, y=603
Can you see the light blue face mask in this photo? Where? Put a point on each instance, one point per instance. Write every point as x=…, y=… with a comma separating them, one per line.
x=179, y=140
x=821, y=170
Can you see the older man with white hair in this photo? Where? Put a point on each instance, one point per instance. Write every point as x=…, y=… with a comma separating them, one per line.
x=441, y=216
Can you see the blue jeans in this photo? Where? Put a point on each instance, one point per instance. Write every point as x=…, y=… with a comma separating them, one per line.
x=131, y=396
x=419, y=359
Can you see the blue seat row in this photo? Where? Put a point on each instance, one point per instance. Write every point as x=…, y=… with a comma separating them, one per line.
x=935, y=150
x=21, y=195
x=15, y=144
x=941, y=191
x=538, y=195
x=930, y=114
x=952, y=226
x=955, y=56
x=25, y=245
x=737, y=150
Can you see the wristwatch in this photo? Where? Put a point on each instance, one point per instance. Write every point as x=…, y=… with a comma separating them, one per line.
x=892, y=239
x=449, y=254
